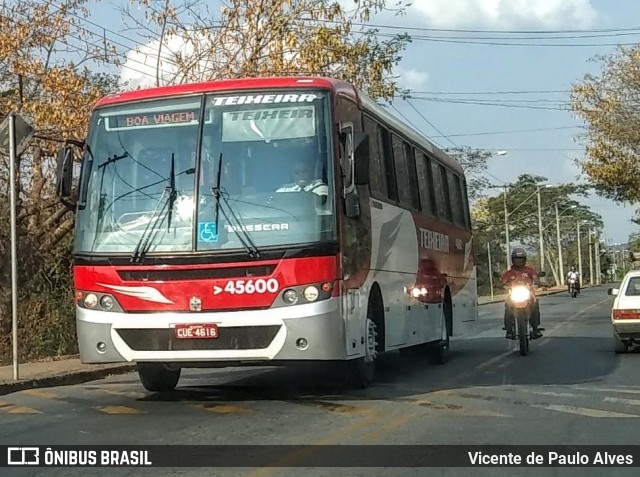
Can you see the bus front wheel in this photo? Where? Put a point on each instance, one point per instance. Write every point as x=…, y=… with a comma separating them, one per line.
x=156, y=377
x=362, y=370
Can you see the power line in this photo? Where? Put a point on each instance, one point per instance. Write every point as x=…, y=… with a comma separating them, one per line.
x=513, y=131
x=479, y=93
x=430, y=123
x=447, y=138
x=482, y=103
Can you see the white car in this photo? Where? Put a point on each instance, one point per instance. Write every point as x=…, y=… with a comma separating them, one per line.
x=625, y=313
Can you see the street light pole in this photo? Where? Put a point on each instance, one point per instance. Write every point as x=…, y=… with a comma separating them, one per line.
x=560, y=264
x=596, y=252
x=540, y=232
x=490, y=268
x=579, y=253
x=590, y=258
x=506, y=228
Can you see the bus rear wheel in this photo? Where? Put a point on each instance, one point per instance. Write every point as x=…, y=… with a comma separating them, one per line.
x=440, y=350
x=156, y=377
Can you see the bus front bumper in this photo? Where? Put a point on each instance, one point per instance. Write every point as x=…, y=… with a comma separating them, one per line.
x=244, y=336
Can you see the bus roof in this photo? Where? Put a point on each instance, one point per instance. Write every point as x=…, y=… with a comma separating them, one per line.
x=230, y=85
x=335, y=85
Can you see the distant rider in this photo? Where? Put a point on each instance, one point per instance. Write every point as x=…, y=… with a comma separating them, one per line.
x=573, y=275
x=519, y=270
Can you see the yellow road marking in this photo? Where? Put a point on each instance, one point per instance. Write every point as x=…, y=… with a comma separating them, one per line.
x=223, y=408
x=333, y=407
x=40, y=393
x=14, y=409
x=129, y=394
x=118, y=410
x=393, y=424
x=581, y=411
x=372, y=415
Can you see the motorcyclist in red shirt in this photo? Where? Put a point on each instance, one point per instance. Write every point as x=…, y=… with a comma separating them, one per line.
x=520, y=270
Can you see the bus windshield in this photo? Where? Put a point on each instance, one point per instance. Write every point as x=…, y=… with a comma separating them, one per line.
x=207, y=173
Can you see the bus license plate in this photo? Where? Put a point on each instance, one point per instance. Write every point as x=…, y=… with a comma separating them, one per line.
x=196, y=331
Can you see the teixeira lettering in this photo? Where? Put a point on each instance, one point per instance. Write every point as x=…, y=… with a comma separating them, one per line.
x=264, y=99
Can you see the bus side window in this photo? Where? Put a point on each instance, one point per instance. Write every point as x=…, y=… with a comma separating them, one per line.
x=376, y=166
x=441, y=190
x=465, y=204
x=455, y=194
x=389, y=167
x=425, y=183
x=402, y=172
x=414, y=191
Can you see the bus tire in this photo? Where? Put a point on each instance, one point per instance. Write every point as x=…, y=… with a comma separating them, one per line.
x=156, y=377
x=362, y=370
x=440, y=349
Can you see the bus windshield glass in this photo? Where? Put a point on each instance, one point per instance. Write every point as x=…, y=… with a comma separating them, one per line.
x=208, y=173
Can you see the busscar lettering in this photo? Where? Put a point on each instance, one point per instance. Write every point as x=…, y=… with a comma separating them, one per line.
x=264, y=99
x=432, y=240
x=257, y=227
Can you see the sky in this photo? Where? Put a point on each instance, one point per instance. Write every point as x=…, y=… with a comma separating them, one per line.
x=449, y=73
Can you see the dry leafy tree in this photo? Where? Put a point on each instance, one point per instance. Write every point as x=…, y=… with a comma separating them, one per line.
x=187, y=41
x=609, y=106
x=44, y=53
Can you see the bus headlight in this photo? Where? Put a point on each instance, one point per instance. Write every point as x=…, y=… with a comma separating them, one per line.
x=290, y=297
x=311, y=293
x=97, y=301
x=520, y=294
x=106, y=302
x=305, y=294
x=91, y=300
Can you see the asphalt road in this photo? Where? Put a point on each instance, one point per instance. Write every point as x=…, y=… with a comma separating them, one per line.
x=571, y=389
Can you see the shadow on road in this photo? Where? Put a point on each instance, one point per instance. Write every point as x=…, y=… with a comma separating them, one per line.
x=480, y=362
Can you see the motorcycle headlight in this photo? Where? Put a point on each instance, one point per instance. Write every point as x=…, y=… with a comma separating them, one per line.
x=520, y=294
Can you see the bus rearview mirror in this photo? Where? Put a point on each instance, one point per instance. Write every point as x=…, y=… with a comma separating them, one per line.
x=64, y=172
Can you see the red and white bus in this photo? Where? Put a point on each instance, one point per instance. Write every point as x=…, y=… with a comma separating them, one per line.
x=263, y=221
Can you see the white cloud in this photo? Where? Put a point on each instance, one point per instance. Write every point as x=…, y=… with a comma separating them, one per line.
x=411, y=78
x=504, y=14
x=141, y=65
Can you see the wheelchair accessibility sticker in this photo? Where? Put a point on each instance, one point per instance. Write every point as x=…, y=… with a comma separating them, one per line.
x=207, y=232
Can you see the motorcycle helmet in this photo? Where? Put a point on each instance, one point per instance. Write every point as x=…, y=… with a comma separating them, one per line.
x=518, y=257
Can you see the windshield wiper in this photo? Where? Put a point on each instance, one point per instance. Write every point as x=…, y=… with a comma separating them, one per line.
x=241, y=233
x=153, y=226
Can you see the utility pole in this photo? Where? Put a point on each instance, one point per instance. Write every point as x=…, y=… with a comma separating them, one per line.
x=560, y=264
x=490, y=269
x=597, y=254
x=540, y=231
x=579, y=255
x=590, y=258
x=506, y=228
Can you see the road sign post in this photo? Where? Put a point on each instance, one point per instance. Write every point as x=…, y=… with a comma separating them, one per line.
x=15, y=134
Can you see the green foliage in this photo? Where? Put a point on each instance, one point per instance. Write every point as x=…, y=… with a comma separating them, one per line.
x=609, y=106
x=522, y=207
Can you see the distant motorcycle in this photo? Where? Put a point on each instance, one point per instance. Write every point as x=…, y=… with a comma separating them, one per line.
x=573, y=288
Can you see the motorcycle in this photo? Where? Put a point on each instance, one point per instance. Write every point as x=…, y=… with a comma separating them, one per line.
x=520, y=292
x=520, y=301
x=573, y=289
